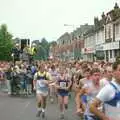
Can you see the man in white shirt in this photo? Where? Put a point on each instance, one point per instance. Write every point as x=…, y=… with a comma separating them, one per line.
x=110, y=96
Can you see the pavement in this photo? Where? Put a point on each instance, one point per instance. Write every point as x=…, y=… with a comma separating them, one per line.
x=16, y=108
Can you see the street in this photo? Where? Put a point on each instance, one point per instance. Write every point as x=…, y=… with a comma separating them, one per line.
x=15, y=108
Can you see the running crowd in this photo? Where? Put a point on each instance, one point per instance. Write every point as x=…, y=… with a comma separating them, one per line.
x=96, y=86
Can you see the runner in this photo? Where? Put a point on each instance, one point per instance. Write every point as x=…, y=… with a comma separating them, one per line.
x=110, y=96
x=42, y=79
x=54, y=75
x=63, y=84
x=82, y=82
x=90, y=90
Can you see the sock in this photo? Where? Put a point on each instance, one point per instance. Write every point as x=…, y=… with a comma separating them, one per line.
x=43, y=110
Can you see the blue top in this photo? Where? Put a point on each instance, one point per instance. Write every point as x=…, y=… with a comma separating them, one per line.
x=116, y=98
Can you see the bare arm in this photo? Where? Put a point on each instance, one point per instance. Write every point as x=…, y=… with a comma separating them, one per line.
x=78, y=101
x=49, y=79
x=94, y=109
x=57, y=85
x=34, y=80
x=69, y=84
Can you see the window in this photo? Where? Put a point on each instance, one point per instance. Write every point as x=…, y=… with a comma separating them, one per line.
x=108, y=32
x=110, y=53
x=107, y=56
x=63, y=42
x=117, y=29
x=116, y=53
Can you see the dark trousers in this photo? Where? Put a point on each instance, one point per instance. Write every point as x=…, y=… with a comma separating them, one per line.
x=14, y=85
x=91, y=118
x=30, y=57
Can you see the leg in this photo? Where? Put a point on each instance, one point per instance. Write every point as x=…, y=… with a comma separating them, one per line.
x=44, y=98
x=39, y=109
x=60, y=100
x=12, y=86
x=66, y=102
x=8, y=87
x=61, y=105
x=51, y=88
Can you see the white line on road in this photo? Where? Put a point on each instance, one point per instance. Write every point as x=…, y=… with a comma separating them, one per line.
x=27, y=105
x=23, y=111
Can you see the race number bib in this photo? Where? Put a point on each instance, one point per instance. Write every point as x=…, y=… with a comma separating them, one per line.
x=63, y=84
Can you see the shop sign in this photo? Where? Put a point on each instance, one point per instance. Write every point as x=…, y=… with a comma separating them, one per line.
x=99, y=47
x=112, y=45
x=89, y=50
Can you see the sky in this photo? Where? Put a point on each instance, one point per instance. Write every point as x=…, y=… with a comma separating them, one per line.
x=35, y=19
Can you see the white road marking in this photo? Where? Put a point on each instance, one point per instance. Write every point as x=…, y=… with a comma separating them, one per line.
x=23, y=111
x=27, y=105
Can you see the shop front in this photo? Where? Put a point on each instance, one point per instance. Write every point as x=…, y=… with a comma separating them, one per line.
x=112, y=51
x=89, y=54
x=99, y=52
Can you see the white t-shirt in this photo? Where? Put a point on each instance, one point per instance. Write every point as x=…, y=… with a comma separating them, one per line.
x=103, y=82
x=106, y=94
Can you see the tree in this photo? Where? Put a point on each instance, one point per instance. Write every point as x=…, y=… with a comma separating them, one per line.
x=5, y=43
x=41, y=53
x=43, y=49
x=45, y=44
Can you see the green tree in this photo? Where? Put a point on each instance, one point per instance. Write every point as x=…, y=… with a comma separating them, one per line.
x=46, y=45
x=5, y=43
x=43, y=49
x=41, y=53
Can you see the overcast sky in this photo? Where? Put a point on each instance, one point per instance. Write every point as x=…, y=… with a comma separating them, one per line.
x=35, y=19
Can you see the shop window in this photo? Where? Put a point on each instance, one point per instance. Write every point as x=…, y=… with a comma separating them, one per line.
x=117, y=53
x=110, y=53
x=107, y=57
x=108, y=33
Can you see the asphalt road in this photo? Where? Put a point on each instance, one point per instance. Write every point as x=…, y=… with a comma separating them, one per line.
x=16, y=108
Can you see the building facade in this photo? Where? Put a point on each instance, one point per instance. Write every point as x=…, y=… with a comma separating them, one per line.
x=71, y=44
x=103, y=41
x=100, y=41
x=89, y=46
x=112, y=34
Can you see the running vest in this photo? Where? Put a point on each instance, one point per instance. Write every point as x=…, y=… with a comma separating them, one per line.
x=40, y=85
x=41, y=76
x=63, y=84
x=112, y=107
